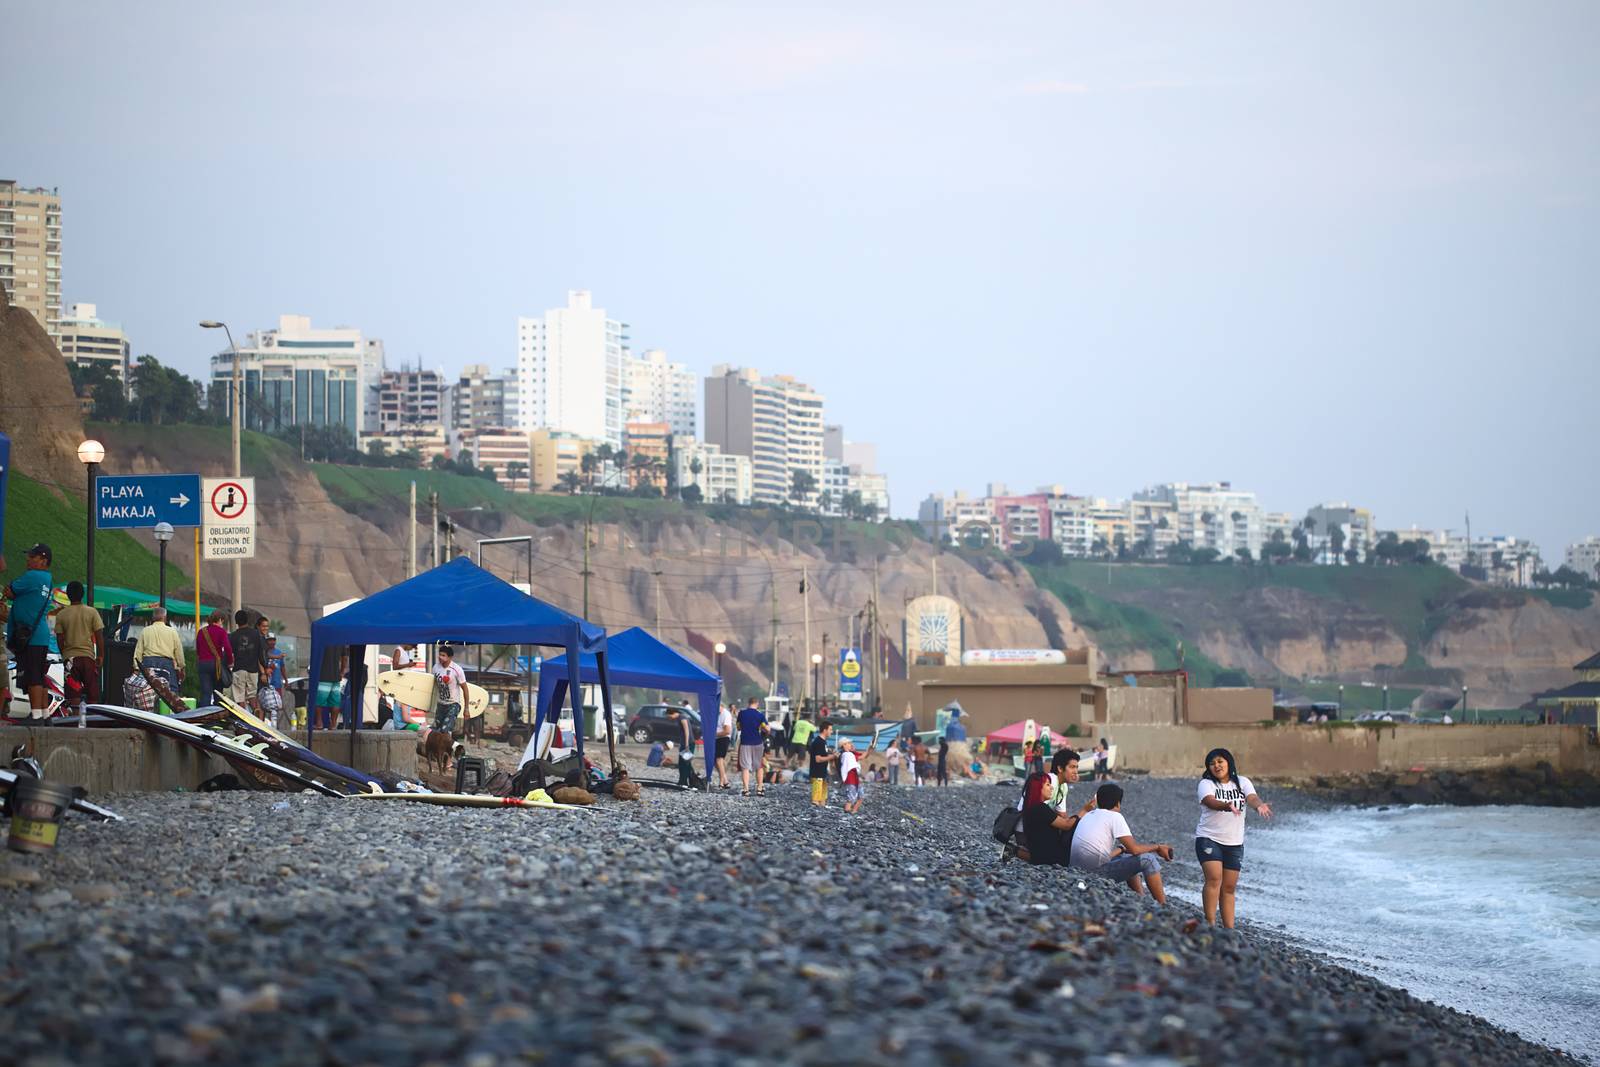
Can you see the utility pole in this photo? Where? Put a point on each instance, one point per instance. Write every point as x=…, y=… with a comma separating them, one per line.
x=656, y=573
x=433, y=506
x=411, y=535
x=877, y=649
x=805, y=592
x=774, y=632
x=587, y=523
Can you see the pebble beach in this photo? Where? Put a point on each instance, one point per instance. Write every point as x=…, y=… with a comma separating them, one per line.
x=260, y=928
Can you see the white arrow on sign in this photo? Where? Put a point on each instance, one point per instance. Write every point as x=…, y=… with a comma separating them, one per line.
x=182, y=500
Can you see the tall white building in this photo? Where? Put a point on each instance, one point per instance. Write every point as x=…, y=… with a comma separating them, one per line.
x=1215, y=516
x=570, y=371
x=1584, y=556
x=297, y=374
x=723, y=478
x=656, y=390
x=776, y=421
x=87, y=340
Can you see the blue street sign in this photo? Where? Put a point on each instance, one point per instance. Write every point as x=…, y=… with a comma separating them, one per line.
x=136, y=500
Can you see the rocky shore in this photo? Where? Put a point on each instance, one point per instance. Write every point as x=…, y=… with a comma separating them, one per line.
x=254, y=928
x=1538, y=785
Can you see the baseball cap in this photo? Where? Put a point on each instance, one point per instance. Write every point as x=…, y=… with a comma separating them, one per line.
x=41, y=549
x=271, y=636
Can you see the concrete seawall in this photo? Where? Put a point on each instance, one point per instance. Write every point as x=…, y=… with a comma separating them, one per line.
x=1307, y=751
x=132, y=761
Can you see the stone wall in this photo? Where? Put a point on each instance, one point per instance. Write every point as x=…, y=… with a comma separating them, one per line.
x=106, y=760
x=1150, y=706
x=1231, y=705
x=1306, y=751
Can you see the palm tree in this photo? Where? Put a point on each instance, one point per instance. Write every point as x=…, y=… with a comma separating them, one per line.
x=589, y=462
x=514, y=470
x=570, y=480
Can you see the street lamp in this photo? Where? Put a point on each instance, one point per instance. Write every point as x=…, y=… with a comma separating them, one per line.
x=90, y=454
x=237, y=406
x=163, y=535
x=719, y=648
x=816, y=675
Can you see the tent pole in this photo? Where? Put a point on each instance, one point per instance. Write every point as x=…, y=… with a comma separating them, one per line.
x=574, y=644
x=358, y=694
x=605, y=709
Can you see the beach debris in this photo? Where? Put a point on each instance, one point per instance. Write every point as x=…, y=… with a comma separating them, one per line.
x=571, y=794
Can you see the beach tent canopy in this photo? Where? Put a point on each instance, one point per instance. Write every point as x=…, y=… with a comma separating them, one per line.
x=1012, y=735
x=635, y=657
x=459, y=602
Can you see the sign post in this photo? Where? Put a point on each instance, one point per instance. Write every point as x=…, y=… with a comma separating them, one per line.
x=126, y=502
x=849, y=674
x=229, y=508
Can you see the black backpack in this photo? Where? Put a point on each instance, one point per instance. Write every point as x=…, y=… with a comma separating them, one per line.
x=1009, y=821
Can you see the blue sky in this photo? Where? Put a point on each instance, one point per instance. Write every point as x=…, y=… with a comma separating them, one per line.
x=1327, y=251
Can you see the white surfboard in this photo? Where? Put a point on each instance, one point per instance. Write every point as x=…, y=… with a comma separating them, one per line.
x=477, y=700
x=412, y=688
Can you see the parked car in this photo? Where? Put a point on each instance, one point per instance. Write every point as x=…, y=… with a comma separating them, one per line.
x=650, y=723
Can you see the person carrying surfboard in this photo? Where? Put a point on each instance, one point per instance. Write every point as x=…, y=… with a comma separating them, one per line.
x=451, y=682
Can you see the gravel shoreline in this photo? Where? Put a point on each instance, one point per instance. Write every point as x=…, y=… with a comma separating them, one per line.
x=257, y=928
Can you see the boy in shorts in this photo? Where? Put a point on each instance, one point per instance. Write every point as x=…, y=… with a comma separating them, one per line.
x=817, y=748
x=850, y=775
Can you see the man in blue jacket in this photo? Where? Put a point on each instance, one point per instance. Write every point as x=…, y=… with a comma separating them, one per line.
x=28, y=628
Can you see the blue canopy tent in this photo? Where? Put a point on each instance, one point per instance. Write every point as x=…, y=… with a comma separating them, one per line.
x=638, y=658
x=458, y=601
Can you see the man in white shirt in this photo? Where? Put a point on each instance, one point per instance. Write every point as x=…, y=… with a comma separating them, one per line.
x=450, y=682
x=1104, y=844
x=724, y=739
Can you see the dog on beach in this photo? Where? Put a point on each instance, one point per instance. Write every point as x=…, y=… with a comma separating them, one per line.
x=437, y=746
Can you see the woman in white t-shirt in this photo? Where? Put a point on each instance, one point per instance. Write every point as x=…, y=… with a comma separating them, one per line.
x=1219, y=838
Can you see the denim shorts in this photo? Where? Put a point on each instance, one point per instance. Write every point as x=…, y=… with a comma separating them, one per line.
x=1208, y=851
x=852, y=793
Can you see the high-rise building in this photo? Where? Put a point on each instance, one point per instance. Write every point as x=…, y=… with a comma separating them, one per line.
x=297, y=375
x=410, y=400
x=776, y=421
x=88, y=340
x=480, y=401
x=570, y=370
x=1215, y=516
x=1584, y=557
x=30, y=252
x=655, y=390
x=722, y=477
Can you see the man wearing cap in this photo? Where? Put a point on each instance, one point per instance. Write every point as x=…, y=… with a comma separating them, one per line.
x=80, y=633
x=28, y=628
x=159, y=651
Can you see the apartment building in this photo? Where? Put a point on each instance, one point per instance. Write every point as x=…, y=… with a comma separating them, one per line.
x=480, y=400
x=723, y=477
x=652, y=440
x=426, y=441
x=658, y=390
x=1215, y=516
x=776, y=420
x=88, y=340
x=958, y=516
x=411, y=399
x=299, y=375
x=30, y=252
x=840, y=478
x=570, y=370
x=554, y=453
x=506, y=452
x=1354, y=526
x=1584, y=557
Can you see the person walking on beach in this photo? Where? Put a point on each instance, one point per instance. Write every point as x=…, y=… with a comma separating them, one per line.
x=1102, y=761
x=1103, y=832
x=80, y=633
x=820, y=758
x=28, y=626
x=724, y=739
x=893, y=757
x=1219, y=838
x=752, y=726
x=450, y=681
x=213, y=653
x=944, y=760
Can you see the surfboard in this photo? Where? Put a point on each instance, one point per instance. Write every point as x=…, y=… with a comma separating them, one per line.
x=412, y=688
x=233, y=751
x=288, y=748
x=477, y=700
x=469, y=800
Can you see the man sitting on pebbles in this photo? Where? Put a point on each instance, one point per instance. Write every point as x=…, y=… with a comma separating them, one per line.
x=1103, y=833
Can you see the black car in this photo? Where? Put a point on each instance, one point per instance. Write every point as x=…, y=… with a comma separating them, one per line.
x=650, y=723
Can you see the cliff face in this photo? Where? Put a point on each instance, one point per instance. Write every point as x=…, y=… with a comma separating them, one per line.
x=37, y=408
x=1505, y=643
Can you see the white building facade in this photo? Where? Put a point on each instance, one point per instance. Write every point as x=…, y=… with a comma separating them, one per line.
x=776, y=420
x=570, y=371
x=300, y=375
x=1584, y=557
x=88, y=340
x=657, y=390
x=1215, y=516
x=723, y=477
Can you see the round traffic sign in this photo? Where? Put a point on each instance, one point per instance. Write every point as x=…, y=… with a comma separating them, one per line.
x=228, y=500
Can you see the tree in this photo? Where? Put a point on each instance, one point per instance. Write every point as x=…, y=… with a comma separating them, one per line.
x=1120, y=544
x=1180, y=552
x=690, y=493
x=1243, y=555
x=825, y=501
x=802, y=483
x=1205, y=555
x=1275, y=550
x=850, y=503
x=570, y=481
x=103, y=389
x=162, y=395
x=514, y=470
x=1335, y=543
x=590, y=461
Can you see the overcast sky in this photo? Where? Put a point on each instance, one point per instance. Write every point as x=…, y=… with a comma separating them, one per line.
x=1326, y=251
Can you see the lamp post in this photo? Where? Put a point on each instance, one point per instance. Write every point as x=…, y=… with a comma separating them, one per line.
x=90, y=454
x=1340, y=713
x=719, y=648
x=236, y=405
x=163, y=535
x=816, y=676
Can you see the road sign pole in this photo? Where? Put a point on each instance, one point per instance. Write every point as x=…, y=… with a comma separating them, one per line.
x=197, y=580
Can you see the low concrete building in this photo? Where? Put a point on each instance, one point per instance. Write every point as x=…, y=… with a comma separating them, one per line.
x=993, y=696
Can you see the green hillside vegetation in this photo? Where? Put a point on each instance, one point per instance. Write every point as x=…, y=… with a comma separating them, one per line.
x=177, y=446
x=35, y=513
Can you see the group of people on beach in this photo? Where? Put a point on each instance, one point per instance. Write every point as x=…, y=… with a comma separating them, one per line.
x=1096, y=837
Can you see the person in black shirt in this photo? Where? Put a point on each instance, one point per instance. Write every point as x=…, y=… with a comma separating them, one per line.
x=1047, y=831
x=247, y=649
x=820, y=758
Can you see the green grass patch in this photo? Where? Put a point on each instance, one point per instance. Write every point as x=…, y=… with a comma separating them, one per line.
x=1571, y=599
x=1358, y=698
x=176, y=446
x=35, y=513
